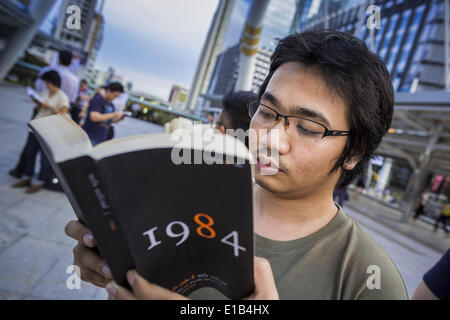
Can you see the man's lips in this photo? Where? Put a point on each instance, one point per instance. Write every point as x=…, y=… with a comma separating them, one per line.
x=267, y=164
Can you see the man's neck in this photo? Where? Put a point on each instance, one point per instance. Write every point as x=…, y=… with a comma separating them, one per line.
x=282, y=219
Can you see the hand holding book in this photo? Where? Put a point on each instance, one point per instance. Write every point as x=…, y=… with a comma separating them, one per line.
x=92, y=267
x=181, y=225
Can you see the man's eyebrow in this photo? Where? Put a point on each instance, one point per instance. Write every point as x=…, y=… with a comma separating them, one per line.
x=271, y=98
x=305, y=112
x=299, y=110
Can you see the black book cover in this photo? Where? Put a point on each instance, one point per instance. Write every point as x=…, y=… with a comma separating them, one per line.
x=188, y=226
x=184, y=226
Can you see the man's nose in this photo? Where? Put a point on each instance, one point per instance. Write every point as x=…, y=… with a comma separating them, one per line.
x=278, y=138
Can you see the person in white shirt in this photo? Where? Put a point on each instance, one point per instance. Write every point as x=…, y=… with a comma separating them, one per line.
x=55, y=102
x=70, y=83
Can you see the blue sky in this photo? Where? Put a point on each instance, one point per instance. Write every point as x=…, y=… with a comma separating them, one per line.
x=155, y=43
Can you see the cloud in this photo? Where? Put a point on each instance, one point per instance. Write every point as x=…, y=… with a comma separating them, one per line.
x=156, y=43
x=145, y=82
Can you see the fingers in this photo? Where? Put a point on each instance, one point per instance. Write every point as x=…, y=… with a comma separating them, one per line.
x=78, y=231
x=90, y=259
x=142, y=289
x=265, y=288
x=117, y=292
x=93, y=277
x=146, y=290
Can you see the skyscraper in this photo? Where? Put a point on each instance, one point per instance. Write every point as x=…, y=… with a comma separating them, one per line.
x=278, y=22
x=410, y=39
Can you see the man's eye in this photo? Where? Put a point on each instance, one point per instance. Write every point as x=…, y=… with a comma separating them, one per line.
x=267, y=115
x=307, y=132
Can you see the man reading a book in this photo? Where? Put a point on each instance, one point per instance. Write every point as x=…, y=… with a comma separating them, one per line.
x=98, y=117
x=330, y=100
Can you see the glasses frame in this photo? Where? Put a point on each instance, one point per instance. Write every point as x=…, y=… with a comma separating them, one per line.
x=327, y=132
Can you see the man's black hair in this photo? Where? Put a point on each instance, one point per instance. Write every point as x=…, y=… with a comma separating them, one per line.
x=236, y=104
x=52, y=77
x=65, y=57
x=114, y=87
x=357, y=76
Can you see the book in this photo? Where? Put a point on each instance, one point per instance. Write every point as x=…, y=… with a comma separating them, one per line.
x=34, y=95
x=181, y=223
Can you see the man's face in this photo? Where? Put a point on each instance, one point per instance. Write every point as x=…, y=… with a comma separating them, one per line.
x=223, y=121
x=304, y=163
x=111, y=95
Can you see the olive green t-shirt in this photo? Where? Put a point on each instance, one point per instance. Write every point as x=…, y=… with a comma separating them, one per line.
x=339, y=261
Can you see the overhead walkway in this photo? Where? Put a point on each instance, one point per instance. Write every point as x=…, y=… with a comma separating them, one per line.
x=420, y=134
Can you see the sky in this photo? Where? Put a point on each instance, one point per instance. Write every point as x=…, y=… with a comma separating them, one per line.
x=155, y=43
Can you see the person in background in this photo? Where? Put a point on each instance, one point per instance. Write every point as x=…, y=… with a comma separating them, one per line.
x=135, y=109
x=435, y=284
x=83, y=99
x=340, y=195
x=19, y=169
x=422, y=204
x=97, y=115
x=100, y=90
x=55, y=102
x=118, y=104
x=235, y=111
x=69, y=82
x=443, y=218
x=360, y=185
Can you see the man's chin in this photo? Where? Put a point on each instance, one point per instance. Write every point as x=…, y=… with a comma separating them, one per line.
x=270, y=183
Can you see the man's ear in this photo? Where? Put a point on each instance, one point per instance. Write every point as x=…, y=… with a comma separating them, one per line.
x=351, y=163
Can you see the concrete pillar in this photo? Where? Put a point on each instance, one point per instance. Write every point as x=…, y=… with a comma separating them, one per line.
x=420, y=174
x=206, y=53
x=447, y=44
x=23, y=36
x=250, y=44
x=385, y=175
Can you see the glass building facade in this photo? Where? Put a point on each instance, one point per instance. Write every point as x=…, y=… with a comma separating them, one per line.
x=277, y=23
x=410, y=39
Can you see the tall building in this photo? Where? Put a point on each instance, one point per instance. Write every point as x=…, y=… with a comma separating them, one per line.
x=178, y=96
x=92, y=46
x=76, y=38
x=278, y=22
x=410, y=39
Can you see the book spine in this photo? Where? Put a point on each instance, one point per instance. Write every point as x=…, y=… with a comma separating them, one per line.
x=88, y=196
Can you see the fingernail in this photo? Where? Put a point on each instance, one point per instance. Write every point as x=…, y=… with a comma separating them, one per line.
x=88, y=239
x=131, y=277
x=111, y=289
x=106, y=271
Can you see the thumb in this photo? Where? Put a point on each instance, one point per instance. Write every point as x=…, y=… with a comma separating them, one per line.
x=265, y=288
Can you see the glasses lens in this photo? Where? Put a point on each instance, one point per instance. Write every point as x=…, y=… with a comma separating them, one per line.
x=252, y=108
x=307, y=128
x=265, y=116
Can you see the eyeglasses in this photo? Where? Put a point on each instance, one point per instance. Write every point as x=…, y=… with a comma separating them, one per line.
x=267, y=117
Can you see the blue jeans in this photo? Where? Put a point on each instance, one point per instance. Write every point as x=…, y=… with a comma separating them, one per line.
x=32, y=148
